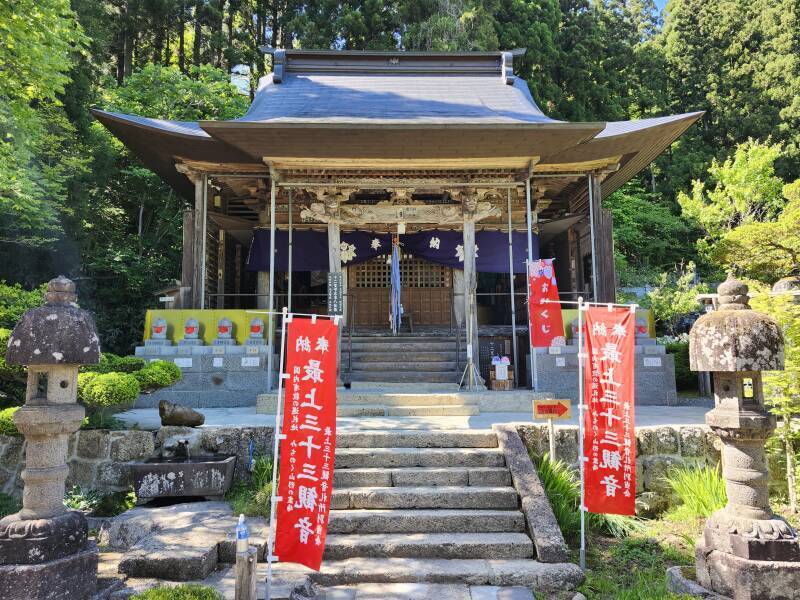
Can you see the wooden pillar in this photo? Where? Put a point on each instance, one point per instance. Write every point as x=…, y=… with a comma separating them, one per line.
x=221, y=257
x=262, y=277
x=335, y=266
x=603, y=249
x=187, y=261
x=471, y=286
x=198, y=242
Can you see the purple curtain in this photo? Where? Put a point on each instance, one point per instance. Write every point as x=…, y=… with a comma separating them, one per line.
x=443, y=247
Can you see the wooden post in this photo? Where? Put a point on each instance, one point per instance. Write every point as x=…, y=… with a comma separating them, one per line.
x=198, y=280
x=187, y=261
x=335, y=266
x=470, y=288
x=601, y=221
x=246, y=572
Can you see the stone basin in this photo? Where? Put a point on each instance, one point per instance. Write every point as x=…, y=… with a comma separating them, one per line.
x=207, y=476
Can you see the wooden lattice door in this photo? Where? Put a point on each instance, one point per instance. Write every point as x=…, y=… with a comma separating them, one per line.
x=426, y=291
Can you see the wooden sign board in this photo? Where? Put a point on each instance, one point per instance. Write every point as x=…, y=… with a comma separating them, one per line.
x=552, y=409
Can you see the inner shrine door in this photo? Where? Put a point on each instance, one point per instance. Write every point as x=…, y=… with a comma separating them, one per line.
x=426, y=291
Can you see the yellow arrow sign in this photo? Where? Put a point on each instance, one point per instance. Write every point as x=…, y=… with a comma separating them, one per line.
x=552, y=409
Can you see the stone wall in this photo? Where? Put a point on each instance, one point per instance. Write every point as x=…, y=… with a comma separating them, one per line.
x=98, y=458
x=657, y=449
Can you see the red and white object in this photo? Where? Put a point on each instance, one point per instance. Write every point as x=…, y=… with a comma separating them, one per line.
x=546, y=325
x=307, y=450
x=609, y=442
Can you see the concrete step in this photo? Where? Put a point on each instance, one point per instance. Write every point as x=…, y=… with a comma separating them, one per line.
x=354, y=458
x=428, y=545
x=433, y=411
x=404, y=387
x=426, y=520
x=406, y=376
x=426, y=591
x=411, y=438
x=395, y=399
x=369, y=355
x=360, y=410
x=541, y=577
x=403, y=364
x=390, y=345
x=477, y=477
x=425, y=497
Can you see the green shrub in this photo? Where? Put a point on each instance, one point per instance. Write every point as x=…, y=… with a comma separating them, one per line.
x=685, y=378
x=701, y=490
x=111, y=363
x=152, y=378
x=562, y=486
x=7, y=426
x=185, y=591
x=15, y=300
x=77, y=498
x=171, y=368
x=12, y=377
x=97, y=503
x=8, y=505
x=102, y=420
x=254, y=498
x=103, y=390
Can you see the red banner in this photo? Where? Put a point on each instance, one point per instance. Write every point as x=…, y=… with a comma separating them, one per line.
x=544, y=320
x=306, y=454
x=609, y=441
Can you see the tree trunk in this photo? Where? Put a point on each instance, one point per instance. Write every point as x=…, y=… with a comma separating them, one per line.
x=198, y=31
x=790, y=468
x=182, y=38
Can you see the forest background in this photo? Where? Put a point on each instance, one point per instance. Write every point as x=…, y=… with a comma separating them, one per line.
x=74, y=201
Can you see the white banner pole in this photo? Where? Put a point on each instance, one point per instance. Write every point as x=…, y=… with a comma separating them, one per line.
x=273, y=521
x=581, y=457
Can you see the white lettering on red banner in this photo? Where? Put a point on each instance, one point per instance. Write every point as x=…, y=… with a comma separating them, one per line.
x=306, y=455
x=608, y=434
x=544, y=319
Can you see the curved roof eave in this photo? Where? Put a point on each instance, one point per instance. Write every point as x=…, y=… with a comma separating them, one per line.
x=160, y=143
x=640, y=142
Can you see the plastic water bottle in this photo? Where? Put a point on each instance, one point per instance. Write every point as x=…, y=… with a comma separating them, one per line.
x=242, y=535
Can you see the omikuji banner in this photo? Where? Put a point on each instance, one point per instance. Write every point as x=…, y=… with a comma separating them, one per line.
x=306, y=454
x=545, y=322
x=608, y=435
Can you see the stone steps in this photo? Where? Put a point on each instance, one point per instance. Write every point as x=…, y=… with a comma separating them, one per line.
x=428, y=545
x=412, y=377
x=449, y=476
x=433, y=520
x=426, y=591
x=372, y=410
x=411, y=438
x=352, y=458
x=496, y=497
x=400, y=399
x=371, y=356
x=404, y=366
x=542, y=577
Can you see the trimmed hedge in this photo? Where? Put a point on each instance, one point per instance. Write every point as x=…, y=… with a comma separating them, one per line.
x=171, y=368
x=685, y=378
x=7, y=426
x=111, y=363
x=103, y=390
x=158, y=374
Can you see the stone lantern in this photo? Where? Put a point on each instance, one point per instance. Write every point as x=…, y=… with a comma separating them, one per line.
x=44, y=549
x=746, y=552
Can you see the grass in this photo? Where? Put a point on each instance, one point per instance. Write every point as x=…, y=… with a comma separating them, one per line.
x=99, y=504
x=253, y=498
x=103, y=419
x=562, y=487
x=188, y=591
x=701, y=490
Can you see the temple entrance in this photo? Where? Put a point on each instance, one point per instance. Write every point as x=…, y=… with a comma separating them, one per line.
x=426, y=293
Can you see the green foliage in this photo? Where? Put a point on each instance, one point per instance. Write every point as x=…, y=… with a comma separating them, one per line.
x=12, y=377
x=173, y=370
x=7, y=426
x=648, y=235
x=184, y=591
x=101, y=419
x=685, y=378
x=8, y=505
x=253, y=498
x=15, y=300
x=157, y=374
x=765, y=250
x=111, y=362
x=97, y=503
x=700, y=489
x=675, y=296
x=563, y=490
x=104, y=390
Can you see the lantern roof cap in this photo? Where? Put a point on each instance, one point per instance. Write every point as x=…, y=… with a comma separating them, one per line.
x=58, y=333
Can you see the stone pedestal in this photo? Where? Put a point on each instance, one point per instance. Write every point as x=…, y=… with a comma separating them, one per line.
x=746, y=552
x=44, y=550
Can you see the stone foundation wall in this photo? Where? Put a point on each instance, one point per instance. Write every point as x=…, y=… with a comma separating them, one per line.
x=98, y=458
x=657, y=449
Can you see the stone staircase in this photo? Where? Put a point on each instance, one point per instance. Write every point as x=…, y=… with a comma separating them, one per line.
x=405, y=358
x=430, y=507
x=402, y=403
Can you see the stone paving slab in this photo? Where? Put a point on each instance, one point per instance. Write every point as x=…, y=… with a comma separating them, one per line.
x=398, y=591
x=246, y=416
